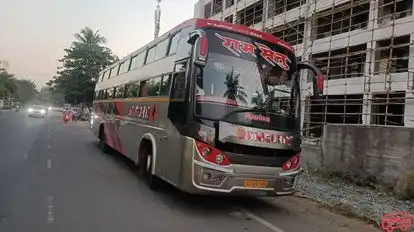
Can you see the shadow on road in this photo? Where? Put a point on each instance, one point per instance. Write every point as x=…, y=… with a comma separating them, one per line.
x=194, y=204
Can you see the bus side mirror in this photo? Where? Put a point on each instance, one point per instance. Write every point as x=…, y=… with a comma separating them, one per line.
x=318, y=80
x=199, y=41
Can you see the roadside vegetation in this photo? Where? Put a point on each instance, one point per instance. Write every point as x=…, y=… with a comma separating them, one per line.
x=79, y=68
x=19, y=90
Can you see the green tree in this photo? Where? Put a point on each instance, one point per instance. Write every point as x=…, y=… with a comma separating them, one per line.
x=258, y=100
x=25, y=91
x=234, y=90
x=7, y=85
x=80, y=67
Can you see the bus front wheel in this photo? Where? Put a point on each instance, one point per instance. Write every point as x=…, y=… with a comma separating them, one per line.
x=146, y=165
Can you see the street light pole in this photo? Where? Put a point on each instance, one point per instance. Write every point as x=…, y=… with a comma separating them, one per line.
x=157, y=19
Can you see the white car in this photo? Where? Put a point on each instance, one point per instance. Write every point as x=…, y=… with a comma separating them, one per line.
x=37, y=111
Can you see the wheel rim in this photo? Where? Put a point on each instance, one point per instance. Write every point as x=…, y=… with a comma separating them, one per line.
x=149, y=164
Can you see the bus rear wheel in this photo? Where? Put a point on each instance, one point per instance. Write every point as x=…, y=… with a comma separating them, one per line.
x=145, y=168
x=102, y=141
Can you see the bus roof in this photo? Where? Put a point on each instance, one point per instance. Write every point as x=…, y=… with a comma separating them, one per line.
x=209, y=23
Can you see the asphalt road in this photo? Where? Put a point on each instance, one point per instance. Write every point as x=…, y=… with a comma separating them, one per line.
x=54, y=178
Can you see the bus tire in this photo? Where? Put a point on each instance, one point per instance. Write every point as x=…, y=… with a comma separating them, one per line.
x=102, y=140
x=146, y=165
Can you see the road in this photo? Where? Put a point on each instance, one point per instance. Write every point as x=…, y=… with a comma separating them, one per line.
x=54, y=178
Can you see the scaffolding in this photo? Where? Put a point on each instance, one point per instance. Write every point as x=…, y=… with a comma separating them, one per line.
x=364, y=47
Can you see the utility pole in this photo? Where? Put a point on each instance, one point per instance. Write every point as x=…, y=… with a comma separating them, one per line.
x=157, y=19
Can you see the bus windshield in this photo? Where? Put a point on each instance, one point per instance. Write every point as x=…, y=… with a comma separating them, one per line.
x=244, y=73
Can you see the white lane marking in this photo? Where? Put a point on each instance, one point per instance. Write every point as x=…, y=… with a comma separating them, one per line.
x=49, y=164
x=50, y=207
x=49, y=147
x=262, y=221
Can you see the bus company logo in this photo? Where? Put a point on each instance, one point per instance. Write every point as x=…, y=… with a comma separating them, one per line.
x=147, y=112
x=397, y=221
x=254, y=117
x=238, y=47
x=263, y=137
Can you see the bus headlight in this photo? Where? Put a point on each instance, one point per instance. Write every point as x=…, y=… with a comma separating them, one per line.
x=43, y=111
x=30, y=110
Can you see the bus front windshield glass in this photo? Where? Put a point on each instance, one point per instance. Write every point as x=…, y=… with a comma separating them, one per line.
x=244, y=73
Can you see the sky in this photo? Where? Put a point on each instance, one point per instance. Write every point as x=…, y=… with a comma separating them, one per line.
x=34, y=33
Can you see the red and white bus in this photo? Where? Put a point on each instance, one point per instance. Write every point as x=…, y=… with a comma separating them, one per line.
x=209, y=107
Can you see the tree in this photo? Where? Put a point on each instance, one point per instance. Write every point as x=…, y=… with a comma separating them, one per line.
x=234, y=90
x=7, y=85
x=26, y=90
x=80, y=66
x=20, y=90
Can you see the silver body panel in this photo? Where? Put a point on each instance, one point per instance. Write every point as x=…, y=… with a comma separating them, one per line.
x=176, y=158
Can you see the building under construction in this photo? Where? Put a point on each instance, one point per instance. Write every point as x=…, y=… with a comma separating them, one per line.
x=365, y=48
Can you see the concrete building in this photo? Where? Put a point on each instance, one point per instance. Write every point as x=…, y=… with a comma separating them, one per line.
x=365, y=48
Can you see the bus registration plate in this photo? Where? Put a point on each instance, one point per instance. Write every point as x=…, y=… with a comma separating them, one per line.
x=255, y=183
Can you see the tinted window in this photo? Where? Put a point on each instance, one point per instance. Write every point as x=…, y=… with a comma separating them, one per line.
x=120, y=92
x=178, y=91
x=183, y=48
x=114, y=72
x=137, y=61
x=151, y=54
x=144, y=88
x=96, y=95
x=174, y=44
x=106, y=75
x=110, y=93
x=161, y=49
x=103, y=75
x=123, y=68
x=165, y=85
x=154, y=86
x=132, y=90
x=38, y=107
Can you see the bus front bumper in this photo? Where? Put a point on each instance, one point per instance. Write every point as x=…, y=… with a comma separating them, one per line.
x=243, y=179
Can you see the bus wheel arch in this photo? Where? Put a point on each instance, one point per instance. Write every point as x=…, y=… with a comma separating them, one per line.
x=146, y=160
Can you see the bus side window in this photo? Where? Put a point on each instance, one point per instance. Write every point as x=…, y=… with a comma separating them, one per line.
x=120, y=91
x=179, y=81
x=165, y=85
x=178, y=90
x=143, y=90
x=131, y=90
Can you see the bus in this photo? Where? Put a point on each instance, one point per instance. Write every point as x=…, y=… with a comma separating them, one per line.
x=209, y=107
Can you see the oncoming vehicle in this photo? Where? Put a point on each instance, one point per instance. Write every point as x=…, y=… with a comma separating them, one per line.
x=209, y=107
x=37, y=111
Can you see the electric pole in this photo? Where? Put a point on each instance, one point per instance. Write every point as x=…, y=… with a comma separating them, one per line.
x=157, y=19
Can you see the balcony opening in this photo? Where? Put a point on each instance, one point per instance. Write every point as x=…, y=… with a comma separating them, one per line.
x=277, y=7
x=388, y=109
x=291, y=32
x=229, y=19
x=217, y=6
x=342, y=63
x=342, y=18
x=389, y=10
x=392, y=55
x=229, y=3
x=250, y=15
x=343, y=109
